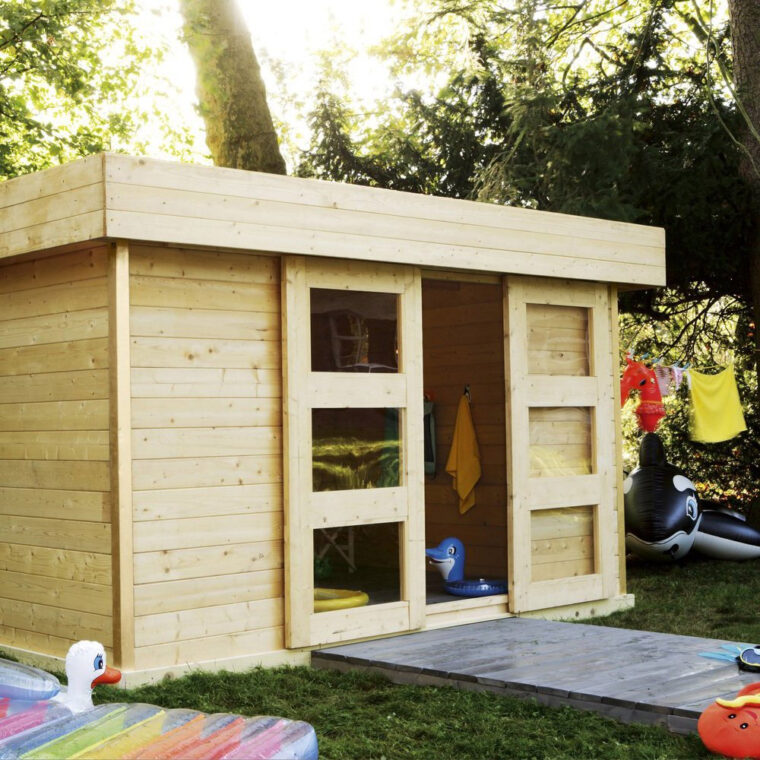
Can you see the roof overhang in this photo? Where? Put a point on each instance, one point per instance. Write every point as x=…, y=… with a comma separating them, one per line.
x=122, y=197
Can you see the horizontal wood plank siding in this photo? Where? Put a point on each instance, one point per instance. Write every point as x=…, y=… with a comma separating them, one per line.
x=207, y=454
x=51, y=208
x=564, y=486
x=205, y=206
x=561, y=444
x=55, y=502
x=143, y=199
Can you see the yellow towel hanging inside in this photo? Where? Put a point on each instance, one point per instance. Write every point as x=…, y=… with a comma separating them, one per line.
x=716, y=411
x=463, y=463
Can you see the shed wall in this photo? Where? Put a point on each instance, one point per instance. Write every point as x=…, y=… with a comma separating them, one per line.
x=207, y=454
x=55, y=506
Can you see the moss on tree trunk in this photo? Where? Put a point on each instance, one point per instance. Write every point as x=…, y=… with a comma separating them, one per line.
x=239, y=129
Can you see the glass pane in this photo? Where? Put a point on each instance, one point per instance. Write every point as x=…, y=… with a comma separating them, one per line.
x=355, y=448
x=355, y=566
x=353, y=331
x=560, y=441
x=562, y=543
x=557, y=340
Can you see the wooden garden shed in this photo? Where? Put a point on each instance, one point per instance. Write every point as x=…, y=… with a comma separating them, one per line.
x=212, y=389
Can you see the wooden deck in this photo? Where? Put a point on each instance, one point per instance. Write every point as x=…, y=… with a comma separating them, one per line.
x=632, y=676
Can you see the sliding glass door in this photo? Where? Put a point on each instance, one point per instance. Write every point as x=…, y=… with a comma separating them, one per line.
x=353, y=451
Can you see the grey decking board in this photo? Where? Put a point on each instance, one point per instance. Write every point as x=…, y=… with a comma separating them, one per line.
x=673, y=672
x=676, y=690
x=521, y=653
x=466, y=658
x=656, y=678
x=680, y=724
x=567, y=670
x=630, y=681
x=727, y=689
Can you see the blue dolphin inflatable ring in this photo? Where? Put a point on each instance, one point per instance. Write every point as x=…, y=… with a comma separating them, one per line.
x=449, y=557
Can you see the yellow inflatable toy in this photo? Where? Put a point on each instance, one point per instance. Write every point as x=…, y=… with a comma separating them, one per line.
x=338, y=599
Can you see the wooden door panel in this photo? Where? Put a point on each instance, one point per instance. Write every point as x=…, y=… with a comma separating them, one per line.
x=561, y=455
x=351, y=368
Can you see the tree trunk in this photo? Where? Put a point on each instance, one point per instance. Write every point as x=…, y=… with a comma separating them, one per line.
x=239, y=129
x=745, y=36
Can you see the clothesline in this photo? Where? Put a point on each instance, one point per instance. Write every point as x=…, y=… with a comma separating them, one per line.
x=716, y=411
x=646, y=358
x=680, y=364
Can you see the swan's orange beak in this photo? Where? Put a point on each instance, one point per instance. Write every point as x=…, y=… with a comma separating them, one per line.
x=111, y=675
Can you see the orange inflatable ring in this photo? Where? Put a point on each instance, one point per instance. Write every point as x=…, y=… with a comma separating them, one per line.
x=338, y=599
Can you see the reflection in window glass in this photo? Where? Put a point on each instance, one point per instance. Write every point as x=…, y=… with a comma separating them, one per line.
x=356, y=565
x=353, y=331
x=560, y=441
x=355, y=448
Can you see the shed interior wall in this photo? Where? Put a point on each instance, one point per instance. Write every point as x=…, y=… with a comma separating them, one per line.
x=55, y=504
x=207, y=454
x=463, y=345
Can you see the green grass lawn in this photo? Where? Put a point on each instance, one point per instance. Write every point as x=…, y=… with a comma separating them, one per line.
x=358, y=716
x=695, y=597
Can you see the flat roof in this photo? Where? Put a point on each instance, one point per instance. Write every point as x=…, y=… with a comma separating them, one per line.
x=113, y=196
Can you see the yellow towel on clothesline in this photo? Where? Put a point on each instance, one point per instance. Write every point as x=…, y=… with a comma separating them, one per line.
x=463, y=463
x=716, y=410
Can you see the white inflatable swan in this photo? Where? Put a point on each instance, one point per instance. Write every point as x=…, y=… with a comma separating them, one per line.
x=85, y=667
x=38, y=719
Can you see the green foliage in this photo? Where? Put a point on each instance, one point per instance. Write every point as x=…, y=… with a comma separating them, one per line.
x=708, y=333
x=419, y=144
x=357, y=715
x=322, y=568
x=81, y=76
x=513, y=117
x=508, y=113
x=346, y=462
x=66, y=66
x=597, y=108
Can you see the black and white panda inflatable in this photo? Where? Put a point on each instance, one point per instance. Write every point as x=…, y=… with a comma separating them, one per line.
x=663, y=519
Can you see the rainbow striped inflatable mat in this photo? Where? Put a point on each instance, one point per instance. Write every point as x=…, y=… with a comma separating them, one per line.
x=46, y=729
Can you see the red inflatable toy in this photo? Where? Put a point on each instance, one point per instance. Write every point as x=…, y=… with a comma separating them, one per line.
x=638, y=376
x=731, y=727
